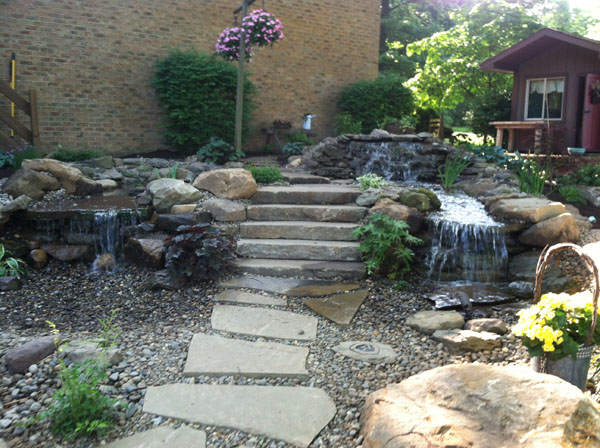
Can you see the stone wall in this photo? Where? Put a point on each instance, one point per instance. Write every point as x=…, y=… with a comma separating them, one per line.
x=92, y=62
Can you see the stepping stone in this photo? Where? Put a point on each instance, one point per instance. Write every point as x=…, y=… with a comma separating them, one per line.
x=163, y=436
x=467, y=340
x=218, y=356
x=295, y=177
x=264, y=322
x=292, y=414
x=289, y=286
x=373, y=352
x=233, y=296
x=298, y=249
x=340, y=308
x=324, y=270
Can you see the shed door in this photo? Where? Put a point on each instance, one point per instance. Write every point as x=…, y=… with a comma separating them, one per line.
x=590, y=131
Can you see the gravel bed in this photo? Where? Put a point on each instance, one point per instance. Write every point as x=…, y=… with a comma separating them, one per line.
x=157, y=329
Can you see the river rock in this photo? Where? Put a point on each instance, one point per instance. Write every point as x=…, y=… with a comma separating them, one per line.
x=225, y=210
x=18, y=359
x=415, y=200
x=9, y=283
x=399, y=212
x=168, y=192
x=64, y=252
x=165, y=280
x=145, y=252
x=107, y=184
x=17, y=204
x=170, y=222
x=467, y=340
x=559, y=229
x=67, y=175
x=429, y=321
x=30, y=183
x=39, y=258
x=88, y=187
x=112, y=174
x=368, y=198
x=80, y=351
x=183, y=208
x=105, y=262
x=489, y=325
x=480, y=406
x=528, y=209
x=227, y=183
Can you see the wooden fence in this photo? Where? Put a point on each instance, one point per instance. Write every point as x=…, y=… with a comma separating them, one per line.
x=31, y=135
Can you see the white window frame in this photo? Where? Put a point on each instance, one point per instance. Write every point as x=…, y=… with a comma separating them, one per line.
x=562, y=105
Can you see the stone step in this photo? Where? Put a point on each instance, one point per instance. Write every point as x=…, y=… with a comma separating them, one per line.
x=321, y=213
x=292, y=414
x=293, y=287
x=263, y=322
x=218, y=356
x=306, y=194
x=162, y=437
x=299, y=249
x=295, y=177
x=300, y=230
x=325, y=270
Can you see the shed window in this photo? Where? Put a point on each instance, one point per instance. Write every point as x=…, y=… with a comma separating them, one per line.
x=544, y=98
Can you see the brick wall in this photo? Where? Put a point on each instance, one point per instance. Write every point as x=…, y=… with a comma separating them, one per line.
x=91, y=62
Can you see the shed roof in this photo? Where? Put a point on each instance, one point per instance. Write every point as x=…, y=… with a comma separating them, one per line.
x=511, y=58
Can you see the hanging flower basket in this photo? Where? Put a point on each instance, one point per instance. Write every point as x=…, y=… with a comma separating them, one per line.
x=262, y=28
x=228, y=44
x=560, y=330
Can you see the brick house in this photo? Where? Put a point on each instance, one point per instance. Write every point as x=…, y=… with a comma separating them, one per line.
x=91, y=62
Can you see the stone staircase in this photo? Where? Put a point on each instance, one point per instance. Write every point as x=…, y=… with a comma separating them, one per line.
x=302, y=230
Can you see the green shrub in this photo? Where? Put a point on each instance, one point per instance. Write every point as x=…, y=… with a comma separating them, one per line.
x=265, y=174
x=370, y=101
x=586, y=175
x=371, y=180
x=26, y=152
x=453, y=167
x=384, y=246
x=299, y=137
x=345, y=124
x=199, y=252
x=197, y=93
x=69, y=154
x=6, y=159
x=78, y=407
x=218, y=151
x=293, y=149
x=404, y=125
x=572, y=194
x=532, y=177
x=10, y=266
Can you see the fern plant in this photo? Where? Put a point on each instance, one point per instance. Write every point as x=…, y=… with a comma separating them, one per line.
x=385, y=246
x=371, y=180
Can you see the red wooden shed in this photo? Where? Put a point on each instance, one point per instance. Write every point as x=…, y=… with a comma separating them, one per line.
x=556, y=92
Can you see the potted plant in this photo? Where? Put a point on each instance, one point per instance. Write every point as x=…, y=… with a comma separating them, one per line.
x=560, y=330
x=282, y=123
x=595, y=92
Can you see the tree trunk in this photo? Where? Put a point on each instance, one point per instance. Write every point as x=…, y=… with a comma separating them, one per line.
x=385, y=12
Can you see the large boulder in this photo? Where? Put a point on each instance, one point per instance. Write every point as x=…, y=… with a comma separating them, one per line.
x=66, y=252
x=67, y=175
x=559, y=229
x=227, y=183
x=30, y=183
x=18, y=359
x=528, y=209
x=399, y=212
x=480, y=406
x=168, y=192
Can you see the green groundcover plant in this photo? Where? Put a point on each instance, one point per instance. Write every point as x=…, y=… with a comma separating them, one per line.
x=385, y=246
x=265, y=174
x=371, y=180
x=11, y=266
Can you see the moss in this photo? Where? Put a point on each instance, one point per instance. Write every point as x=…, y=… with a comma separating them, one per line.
x=433, y=199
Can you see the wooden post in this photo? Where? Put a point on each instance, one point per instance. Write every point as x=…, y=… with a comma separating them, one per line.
x=499, y=137
x=239, y=99
x=35, y=126
x=511, y=140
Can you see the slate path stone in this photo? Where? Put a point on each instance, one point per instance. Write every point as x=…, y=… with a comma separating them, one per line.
x=289, y=286
x=263, y=322
x=292, y=414
x=233, y=296
x=218, y=356
x=18, y=359
x=367, y=351
x=163, y=437
x=340, y=308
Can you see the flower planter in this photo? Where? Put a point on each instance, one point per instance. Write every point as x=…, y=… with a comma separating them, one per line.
x=571, y=370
